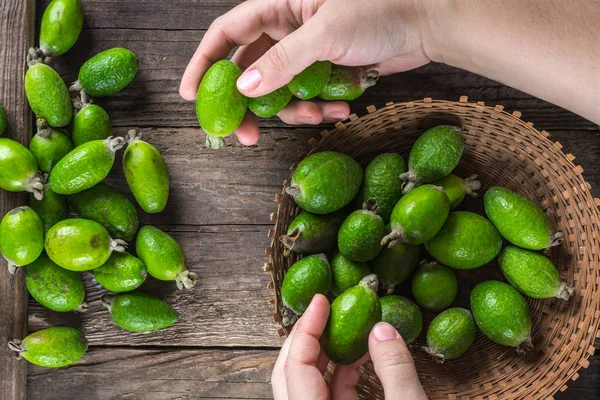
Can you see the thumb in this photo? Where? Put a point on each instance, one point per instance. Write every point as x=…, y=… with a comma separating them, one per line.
x=282, y=62
x=394, y=364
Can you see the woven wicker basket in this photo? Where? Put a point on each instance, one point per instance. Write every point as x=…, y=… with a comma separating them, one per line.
x=502, y=150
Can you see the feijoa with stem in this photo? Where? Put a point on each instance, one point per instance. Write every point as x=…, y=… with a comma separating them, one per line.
x=348, y=83
x=61, y=25
x=457, y=188
x=90, y=122
x=21, y=237
x=19, y=169
x=359, y=237
x=394, y=265
x=311, y=233
x=54, y=347
x=450, y=334
x=49, y=146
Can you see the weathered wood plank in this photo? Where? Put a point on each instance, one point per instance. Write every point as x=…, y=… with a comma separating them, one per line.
x=158, y=374
x=228, y=307
x=152, y=100
x=16, y=35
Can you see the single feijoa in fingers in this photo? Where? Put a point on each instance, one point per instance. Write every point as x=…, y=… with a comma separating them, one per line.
x=311, y=233
x=434, y=286
x=90, y=123
x=307, y=277
x=140, y=312
x=79, y=244
x=61, y=25
x=457, y=188
x=54, y=287
x=434, y=155
x=48, y=95
x=54, y=347
x=466, y=241
x=359, y=237
x=418, y=216
x=382, y=183
x=348, y=83
x=121, y=273
x=49, y=146
x=19, y=169
x=163, y=257
x=502, y=314
x=107, y=72
x=394, y=265
x=269, y=105
x=21, y=237
x=325, y=182
x=51, y=209
x=519, y=220
x=533, y=274
x=450, y=334
x=402, y=314
x=310, y=82
x=346, y=273
x=146, y=173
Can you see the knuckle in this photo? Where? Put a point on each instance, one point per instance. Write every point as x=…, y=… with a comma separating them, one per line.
x=278, y=58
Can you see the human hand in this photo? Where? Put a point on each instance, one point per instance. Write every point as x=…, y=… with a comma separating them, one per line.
x=298, y=372
x=280, y=38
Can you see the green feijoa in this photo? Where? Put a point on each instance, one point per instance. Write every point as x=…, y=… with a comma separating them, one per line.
x=395, y=264
x=346, y=273
x=434, y=155
x=54, y=287
x=456, y=188
x=269, y=105
x=48, y=95
x=466, y=241
x=139, y=312
x=305, y=278
x=90, y=123
x=348, y=83
x=353, y=315
x=21, y=237
x=19, y=169
x=382, y=183
x=163, y=257
x=49, y=146
x=519, y=220
x=220, y=107
x=146, y=173
x=3, y=120
x=533, y=274
x=359, y=237
x=450, y=334
x=402, y=314
x=79, y=244
x=325, y=182
x=310, y=233
x=51, y=347
x=107, y=72
x=310, y=82
x=502, y=314
x=434, y=286
x=121, y=273
x=110, y=208
x=51, y=209
x=61, y=25
x=85, y=166
x=418, y=216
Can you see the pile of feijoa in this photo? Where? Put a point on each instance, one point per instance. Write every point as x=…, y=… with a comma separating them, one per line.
x=64, y=169
x=363, y=232
x=220, y=107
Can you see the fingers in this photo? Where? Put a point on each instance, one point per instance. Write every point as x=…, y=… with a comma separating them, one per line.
x=303, y=378
x=278, y=375
x=314, y=112
x=344, y=380
x=247, y=133
x=394, y=364
x=246, y=55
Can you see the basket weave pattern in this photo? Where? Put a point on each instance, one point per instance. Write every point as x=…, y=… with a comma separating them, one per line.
x=503, y=150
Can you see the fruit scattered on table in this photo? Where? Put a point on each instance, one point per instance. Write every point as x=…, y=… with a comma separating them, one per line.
x=51, y=347
x=139, y=312
x=21, y=237
x=90, y=122
x=49, y=145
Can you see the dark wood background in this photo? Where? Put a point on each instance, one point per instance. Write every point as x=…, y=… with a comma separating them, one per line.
x=224, y=345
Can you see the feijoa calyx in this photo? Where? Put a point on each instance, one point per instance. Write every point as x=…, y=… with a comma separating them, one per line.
x=533, y=274
x=51, y=347
x=434, y=155
x=502, y=314
x=348, y=83
x=139, y=312
x=353, y=315
x=311, y=233
x=305, y=278
x=359, y=237
x=457, y=188
x=49, y=146
x=402, y=314
x=91, y=122
x=519, y=220
x=163, y=257
x=19, y=169
x=21, y=237
x=450, y=334
x=325, y=182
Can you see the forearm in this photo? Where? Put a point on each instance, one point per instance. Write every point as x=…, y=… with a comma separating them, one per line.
x=548, y=48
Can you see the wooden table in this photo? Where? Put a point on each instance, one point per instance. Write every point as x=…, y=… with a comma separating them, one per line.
x=224, y=345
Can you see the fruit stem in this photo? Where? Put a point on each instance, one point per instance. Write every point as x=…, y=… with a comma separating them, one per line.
x=115, y=143
x=564, y=291
x=107, y=300
x=288, y=317
x=186, y=280
x=293, y=190
x=17, y=346
x=471, y=185
x=388, y=287
x=75, y=88
x=439, y=358
x=370, y=282
x=12, y=268
x=43, y=129
x=83, y=307
x=525, y=346
x=133, y=135
x=118, y=245
x=37, y=56
x=556, y=239
x=409, y=181
x=393, y=238
x=35, y=185
x=81, y=100
x=370, y=80
x=214, y=142
x=289, y=241
x=371, y=205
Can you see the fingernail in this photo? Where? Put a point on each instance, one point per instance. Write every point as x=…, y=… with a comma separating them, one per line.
x=306, y=119
x=384, y=331
x=249, y=80
x=338, y=115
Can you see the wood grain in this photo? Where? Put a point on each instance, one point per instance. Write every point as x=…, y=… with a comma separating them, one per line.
x=16, y=35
